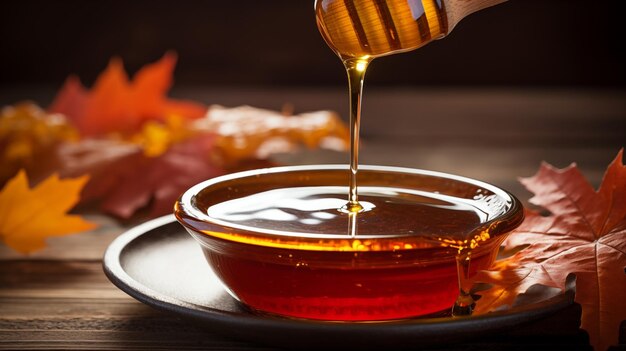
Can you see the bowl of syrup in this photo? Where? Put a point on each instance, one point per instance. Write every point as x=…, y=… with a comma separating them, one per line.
x=282, y=242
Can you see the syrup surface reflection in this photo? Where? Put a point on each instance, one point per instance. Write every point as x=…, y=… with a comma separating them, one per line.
x=387, y=211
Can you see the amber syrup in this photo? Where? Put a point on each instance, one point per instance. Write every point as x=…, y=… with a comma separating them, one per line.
x=282, y=245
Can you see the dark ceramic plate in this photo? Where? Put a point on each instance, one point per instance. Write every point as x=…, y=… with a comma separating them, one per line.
x=159, y=264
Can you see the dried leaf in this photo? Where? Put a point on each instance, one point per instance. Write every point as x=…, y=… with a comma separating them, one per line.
x=158, y=163
x=126, y=180
x=585, y=234
x=29, y=216
x=246, y=132
x=99, y=158
x=155, y=138
x=28, y=140
x=117, y=105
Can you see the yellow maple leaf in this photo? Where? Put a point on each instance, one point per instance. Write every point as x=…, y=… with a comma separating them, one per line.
x=29, y=216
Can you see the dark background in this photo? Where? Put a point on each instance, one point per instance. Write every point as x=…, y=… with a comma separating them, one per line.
x=276, y=43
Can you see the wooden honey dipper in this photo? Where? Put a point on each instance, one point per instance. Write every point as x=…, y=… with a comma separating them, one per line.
x=371, y=28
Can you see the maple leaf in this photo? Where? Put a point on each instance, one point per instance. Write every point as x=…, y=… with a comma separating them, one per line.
x=29, y=216
x=247, y=132
x=127, y=180
x=117, y=105
x=28, y=140
x=161, y=179
x=584, y=234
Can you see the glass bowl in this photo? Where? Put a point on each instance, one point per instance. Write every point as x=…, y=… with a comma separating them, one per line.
x=280, y=243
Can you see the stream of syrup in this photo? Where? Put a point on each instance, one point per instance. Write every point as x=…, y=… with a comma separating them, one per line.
x=359, y=31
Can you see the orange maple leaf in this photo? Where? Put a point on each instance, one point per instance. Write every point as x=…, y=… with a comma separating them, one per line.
x=29, y=216
x=585, y=234
x=117, y=104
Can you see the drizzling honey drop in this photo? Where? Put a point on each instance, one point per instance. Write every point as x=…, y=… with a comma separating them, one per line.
x=356, y=73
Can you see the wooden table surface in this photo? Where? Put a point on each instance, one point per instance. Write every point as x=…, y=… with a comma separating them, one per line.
x=59, y=298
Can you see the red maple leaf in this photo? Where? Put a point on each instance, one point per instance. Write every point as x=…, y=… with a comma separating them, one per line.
x=125, y=180
x=117, y=104
x=584, y=234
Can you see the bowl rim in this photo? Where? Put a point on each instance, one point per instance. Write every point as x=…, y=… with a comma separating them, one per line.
x=185, y=205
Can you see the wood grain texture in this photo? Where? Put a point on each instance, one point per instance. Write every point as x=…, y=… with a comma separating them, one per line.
x=72, y=305
x=456, y=10
x=60, y=305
